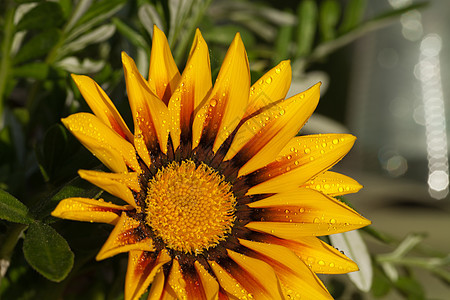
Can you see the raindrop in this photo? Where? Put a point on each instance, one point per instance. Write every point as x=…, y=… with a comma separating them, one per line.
x=269, y=80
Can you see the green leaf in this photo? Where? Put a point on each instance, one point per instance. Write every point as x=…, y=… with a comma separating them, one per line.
x=381, y=284
x=37, y=70
x=329, y=14
x=47, y=251
x=306, y=29
x=283, y=43
x=38, y=46
x=135, y=38
x=45, y=15
x=352, y=15
x=11, y=209
x=97, y=13
x=410, y=288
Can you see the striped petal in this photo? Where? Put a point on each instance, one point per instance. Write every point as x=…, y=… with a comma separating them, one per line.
x=271, y=87
x=297, y=279
x=316, y=254
x=185, y=283
x=102, y=106
x=259, y=276
x=89, y=210
x=150, y=114
x=229, y=284
x=142, y=268
x=261, y=138
x=300, y=160
x=228, y=100
x=333, y=184
x=126, y=236
x=194, y=85
x=210, y=285
x=301, y=213
x=108, y=146
x=163, y=76
x=117, y=184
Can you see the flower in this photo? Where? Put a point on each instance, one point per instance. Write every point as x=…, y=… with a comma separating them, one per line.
x=223, y=199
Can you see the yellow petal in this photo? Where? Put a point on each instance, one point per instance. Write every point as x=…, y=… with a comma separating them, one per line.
x=318, y=255
x=304, y=212
x=262, y=273
x=176, y=280
x=333, y=184
x=108, y=146
x=271, y=87
x=299, y=281
x=89, y=210
x=157, y=287
x=210, y=285
x=228, y=100
x=126, y=236
x=150, y=114
x=300, y=160
x=163, y=74
x=117, y=184
x=102, y=106
x=142, y=268
x=194, y=85
x=227, y=282
x=261, y=138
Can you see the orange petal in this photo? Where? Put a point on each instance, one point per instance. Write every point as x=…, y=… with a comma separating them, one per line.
x=210, y=285
x=157, y=287
x=108, y=146
x=126, y=236
x=89, y=210
x=194, y=85
x=117, y=184
x=227, y=282
x=298, y=280
x=303, y=212
x=333, y=184
x=102, y=106
x=142, y=268
x=261, y=138
x=261, y=276
x=317, y=255
x=150, y=114
x=228, y=100
x=163, y=76
x=271, y=87
x=300, y=160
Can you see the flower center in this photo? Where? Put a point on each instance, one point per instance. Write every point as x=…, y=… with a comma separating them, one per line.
x=190, y=207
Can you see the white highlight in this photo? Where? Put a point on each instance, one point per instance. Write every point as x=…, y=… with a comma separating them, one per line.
x=429, y=74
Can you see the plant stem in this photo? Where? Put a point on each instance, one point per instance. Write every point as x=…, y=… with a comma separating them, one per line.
x=5, y=60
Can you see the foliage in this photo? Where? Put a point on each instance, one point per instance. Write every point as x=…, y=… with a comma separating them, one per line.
x=42, y=42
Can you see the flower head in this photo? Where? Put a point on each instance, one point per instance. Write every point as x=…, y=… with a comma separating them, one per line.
x=221, y=198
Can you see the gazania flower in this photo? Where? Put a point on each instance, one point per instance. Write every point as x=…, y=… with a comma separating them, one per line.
x=223, y=200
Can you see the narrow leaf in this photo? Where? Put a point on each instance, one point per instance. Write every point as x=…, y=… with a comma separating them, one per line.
x=47, y=251
x=37, y=70
x=38, y=46
x=306, y=29
x=352, y=15
x=11, y=209
x=329, y=14
x=354, y=247
x=44, y=15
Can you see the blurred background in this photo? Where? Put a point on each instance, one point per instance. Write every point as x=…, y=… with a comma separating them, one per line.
x=384, y=66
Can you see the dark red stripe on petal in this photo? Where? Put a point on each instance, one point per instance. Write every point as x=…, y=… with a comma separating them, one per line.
x=248, y=282
x=281, y=214
x=145, y=264
x=193, y=284
x=132, y=236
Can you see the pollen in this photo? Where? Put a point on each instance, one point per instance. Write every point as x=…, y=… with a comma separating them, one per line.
x=191, y=208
